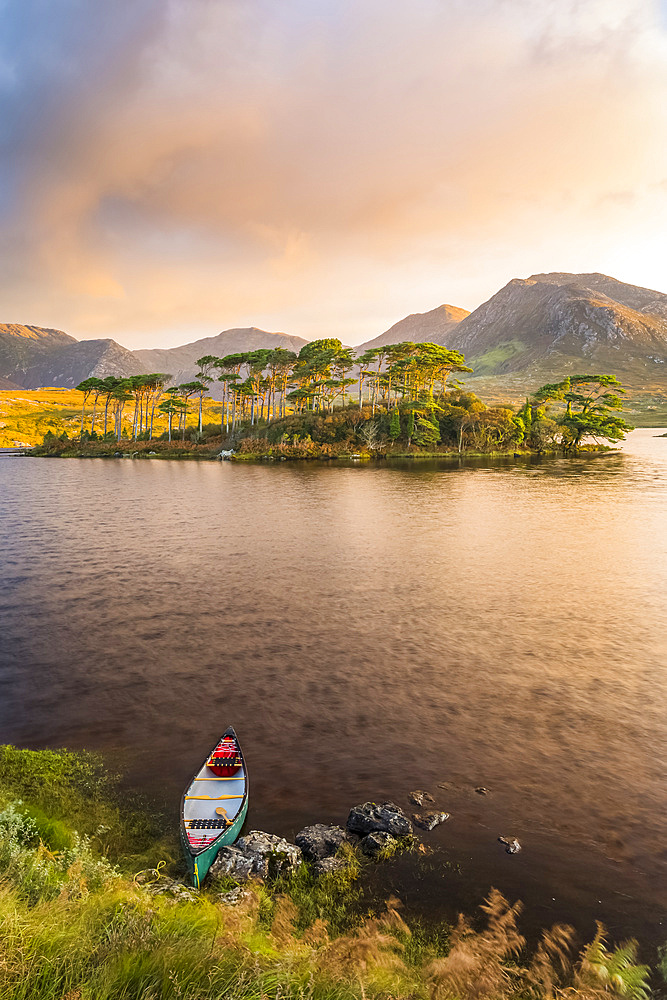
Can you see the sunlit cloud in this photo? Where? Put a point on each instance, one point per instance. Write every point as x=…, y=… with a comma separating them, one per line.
x=170, y=170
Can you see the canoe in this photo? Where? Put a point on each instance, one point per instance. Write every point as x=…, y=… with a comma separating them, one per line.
x=214, y=806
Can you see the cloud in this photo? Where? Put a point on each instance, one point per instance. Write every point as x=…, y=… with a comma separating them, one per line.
x=192, y=165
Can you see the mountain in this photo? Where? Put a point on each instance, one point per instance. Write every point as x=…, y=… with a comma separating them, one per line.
x=81, y=359
x=555, y=323
x=180, y=361
x=31, y=356
x=437, y=326
x=7, y=386
x=22, y=346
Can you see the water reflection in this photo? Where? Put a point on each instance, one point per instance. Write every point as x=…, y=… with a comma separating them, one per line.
x=367, y=629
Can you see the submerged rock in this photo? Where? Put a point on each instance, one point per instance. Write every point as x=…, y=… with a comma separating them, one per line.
x=386, y=817
x=429, y=821
x=258, y=854
x=374, y=843
x=481, y=790
x=420, y=798
x=512, y=845
x=320, y=841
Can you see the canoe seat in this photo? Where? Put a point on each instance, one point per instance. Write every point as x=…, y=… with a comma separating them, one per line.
x=225, y=759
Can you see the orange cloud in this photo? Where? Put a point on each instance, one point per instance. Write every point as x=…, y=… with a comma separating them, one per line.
x=326, y=168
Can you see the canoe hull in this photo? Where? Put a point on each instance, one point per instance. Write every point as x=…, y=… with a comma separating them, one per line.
x=206, y=825
x=199, y=864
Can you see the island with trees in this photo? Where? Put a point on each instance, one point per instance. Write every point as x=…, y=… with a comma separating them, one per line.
x=399, y=400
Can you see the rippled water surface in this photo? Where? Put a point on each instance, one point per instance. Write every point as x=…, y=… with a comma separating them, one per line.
x=368, y=630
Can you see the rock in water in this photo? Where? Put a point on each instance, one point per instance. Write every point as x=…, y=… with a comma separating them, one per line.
x=512, y=845
x=481, y=790
x=258, y=854
x=374, y=843
x=386, y=817
x=320, y=841
x=429, y=821
x=231, y=861
x=420, y=798
x=279, y=856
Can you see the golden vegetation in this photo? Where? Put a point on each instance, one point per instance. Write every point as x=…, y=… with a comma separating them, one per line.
x=27, y=415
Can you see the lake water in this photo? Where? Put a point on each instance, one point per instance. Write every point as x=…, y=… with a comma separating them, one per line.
x=368, y=630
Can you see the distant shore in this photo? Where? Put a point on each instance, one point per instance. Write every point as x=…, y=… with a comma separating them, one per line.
x=188, y=451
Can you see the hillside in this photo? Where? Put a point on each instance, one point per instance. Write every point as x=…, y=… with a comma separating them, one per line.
x=437, y=325
x=556, y=322
x=22, y=346
x=180, y=361
x=539, y=328
x=69, y=365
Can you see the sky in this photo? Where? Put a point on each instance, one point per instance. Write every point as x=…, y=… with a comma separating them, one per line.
x=173, y=168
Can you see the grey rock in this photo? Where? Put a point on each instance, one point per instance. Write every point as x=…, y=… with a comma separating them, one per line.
x=234, y=896
x=173, y=889
x=376, y=842
x=512, y=845
x=231, y=861
x=320, y=841
x=272, y=855
x=429, y=821
x=257, y=855
x=327, y=865
x=420, y=798
x=387, y=817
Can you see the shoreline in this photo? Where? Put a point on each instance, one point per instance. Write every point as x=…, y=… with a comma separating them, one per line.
x=82, y=852
x=204, y=454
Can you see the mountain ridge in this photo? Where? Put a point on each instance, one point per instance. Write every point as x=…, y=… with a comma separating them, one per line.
x=530, y=331
x=179, y=362
x=436, y=326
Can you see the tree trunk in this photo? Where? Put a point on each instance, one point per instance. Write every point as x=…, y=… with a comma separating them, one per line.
x=201, y=403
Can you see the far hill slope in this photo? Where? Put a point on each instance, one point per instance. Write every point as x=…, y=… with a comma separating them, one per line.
x=558, y=322
x=541, y=328
x=22, y=346
x=180, y=361
x=6, y=385
x=437, y=326
x=80, y=360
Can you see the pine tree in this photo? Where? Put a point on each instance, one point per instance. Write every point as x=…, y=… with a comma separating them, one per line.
x=395, y=424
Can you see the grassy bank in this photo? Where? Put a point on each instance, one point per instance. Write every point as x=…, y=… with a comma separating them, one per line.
x=91, y=909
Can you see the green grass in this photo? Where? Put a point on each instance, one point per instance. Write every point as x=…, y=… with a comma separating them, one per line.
x=64, y=792
x=488, y=363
